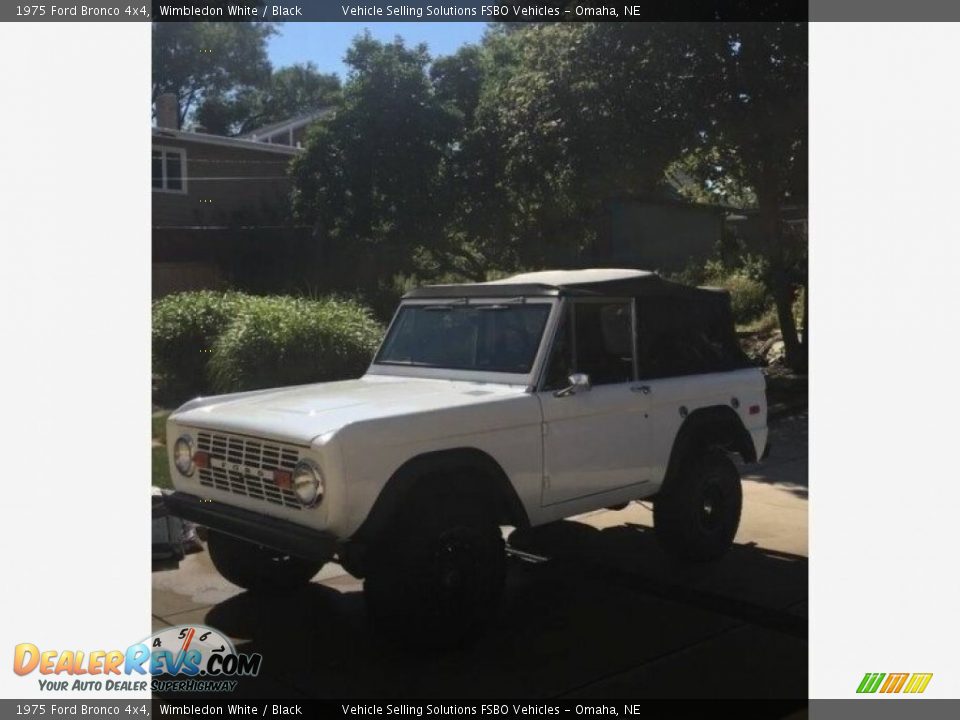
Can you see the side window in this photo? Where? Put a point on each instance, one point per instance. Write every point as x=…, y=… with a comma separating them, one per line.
x=603, y=341
x=680, y=336
x=595, y=338
x=664, y=338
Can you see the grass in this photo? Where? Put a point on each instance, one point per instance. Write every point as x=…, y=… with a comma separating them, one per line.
x=764, y=324
x=160, y=476
x=158, y=425
x=768, y=322
x=161, y=468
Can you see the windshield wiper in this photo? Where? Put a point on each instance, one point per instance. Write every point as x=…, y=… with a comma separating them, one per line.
x=410, y=363
x=446, y=306
x=505, y=305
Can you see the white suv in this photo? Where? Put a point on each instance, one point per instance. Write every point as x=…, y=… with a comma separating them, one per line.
x=510, y=403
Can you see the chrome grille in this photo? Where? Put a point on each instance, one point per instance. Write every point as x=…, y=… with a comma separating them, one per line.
x=250, y=454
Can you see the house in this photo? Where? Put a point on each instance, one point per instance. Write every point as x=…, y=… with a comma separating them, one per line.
x=657, y=232
x=666, y=233
x=221, y=204
x=747, y=226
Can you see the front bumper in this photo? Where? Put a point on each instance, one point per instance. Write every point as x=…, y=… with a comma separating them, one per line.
x=260, y=529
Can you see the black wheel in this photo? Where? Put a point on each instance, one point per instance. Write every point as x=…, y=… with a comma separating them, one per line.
x=257, y=568
x=696, y=517
x=436, y=577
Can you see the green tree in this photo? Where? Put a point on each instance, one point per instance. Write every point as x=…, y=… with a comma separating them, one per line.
x=475, y=241
x=578, y=112
x=199, y=60
x=502, y=155
x=290, y=91
x=756, y=92
x=573, y=113
x=369, y=181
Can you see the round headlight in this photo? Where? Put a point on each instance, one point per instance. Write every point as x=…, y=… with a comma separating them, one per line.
x=183, y=455
x=307, y=483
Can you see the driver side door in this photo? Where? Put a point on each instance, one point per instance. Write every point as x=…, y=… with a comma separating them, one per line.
x=594, y=440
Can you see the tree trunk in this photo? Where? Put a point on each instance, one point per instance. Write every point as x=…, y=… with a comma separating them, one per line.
x=783, y=297
x=779, y=281
x=806, y=318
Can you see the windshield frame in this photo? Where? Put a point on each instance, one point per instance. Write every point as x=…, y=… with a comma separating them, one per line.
x=527, y=379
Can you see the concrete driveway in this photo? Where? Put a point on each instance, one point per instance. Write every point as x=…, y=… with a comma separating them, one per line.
x=592, y=609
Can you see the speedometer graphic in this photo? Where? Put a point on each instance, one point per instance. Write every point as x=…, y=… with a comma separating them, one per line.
x=193, y=650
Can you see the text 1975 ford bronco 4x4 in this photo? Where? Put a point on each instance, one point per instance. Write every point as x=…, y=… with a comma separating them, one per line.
x=509, y=403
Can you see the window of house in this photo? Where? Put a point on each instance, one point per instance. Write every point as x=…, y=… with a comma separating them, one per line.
x=595, y=338
x=169, y=169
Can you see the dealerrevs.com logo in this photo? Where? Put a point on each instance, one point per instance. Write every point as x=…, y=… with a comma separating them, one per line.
x=185, y=658
x=893, y=683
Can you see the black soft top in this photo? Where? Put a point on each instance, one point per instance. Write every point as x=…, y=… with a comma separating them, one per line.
x=556, y=283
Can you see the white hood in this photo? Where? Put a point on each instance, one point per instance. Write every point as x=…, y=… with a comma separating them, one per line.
x=300, y=414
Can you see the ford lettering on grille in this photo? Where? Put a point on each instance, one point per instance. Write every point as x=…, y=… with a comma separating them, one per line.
x=247, y=466
x=243, y=469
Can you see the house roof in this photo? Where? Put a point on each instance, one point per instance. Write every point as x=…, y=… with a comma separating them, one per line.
x=293, y=123
x=611, y=282
x=186, y=136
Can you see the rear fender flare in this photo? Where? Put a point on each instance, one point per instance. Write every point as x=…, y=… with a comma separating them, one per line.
x=716, y=426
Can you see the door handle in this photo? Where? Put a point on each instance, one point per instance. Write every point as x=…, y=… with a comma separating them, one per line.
x=645, y=389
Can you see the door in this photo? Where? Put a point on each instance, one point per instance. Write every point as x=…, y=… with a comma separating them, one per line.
x=594, y=440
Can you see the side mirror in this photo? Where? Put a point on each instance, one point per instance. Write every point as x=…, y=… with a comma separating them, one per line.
x=578, y=382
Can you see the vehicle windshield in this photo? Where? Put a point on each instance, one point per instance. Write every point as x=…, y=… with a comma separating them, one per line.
x=489, y=337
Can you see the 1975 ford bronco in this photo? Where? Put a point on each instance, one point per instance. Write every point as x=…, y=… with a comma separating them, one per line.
x=509, y=403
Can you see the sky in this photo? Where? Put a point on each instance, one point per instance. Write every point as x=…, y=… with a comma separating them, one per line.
x=326, y=43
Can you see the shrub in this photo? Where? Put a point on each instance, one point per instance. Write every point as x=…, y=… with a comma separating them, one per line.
x=749, y=298
x=185, y=327
x=278, y=341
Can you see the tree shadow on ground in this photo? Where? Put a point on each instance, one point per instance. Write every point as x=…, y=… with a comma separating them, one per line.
x=586, y=613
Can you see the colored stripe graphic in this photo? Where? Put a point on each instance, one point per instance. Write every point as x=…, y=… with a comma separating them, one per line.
x=918, y=682
x=870, y=682
x=894, y=682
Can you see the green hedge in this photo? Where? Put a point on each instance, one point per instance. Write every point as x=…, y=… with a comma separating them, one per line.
x=185, y=328
x=277, y=341
x=211, y=342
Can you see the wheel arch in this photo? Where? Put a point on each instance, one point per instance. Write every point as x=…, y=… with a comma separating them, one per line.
x=715, y=426
x=474, y=472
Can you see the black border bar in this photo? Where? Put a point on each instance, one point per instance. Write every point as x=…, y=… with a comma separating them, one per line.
x=481, y=10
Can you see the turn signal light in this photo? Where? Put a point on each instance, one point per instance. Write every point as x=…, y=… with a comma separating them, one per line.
x=201, y=459
x=754, y=409
x=283, y=479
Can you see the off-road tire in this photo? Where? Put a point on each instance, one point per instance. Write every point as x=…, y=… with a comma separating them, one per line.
x=436, y=576
x=697, y=514
x=257, y=568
